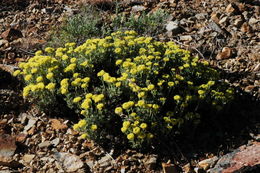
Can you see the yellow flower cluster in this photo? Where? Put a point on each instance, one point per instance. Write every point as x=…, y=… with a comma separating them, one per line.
x=136, y=131
x=150, y=84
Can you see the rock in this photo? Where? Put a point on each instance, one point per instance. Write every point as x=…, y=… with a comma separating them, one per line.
x=138, y=8
x=90, y=163
x=47, y=159
x=150, y=162
x=21, y=137
x=232, y=8
x=224, y=54
x=215, y=27
x=215, y=17
x=57, y=125
x=246, y=28
x=201, y=16
x=238, y=22
x=208, y=163
x=242, y=159
x=29, y=125
x=8, y=68
x=3, y=42
x=173, y=27
x=249, y=88
x=187, y=168
x=44, y=144
x=255, y=137
x=223, y=20
x=5, y=171
x=55, y=141
x=251, y=21
x=105, y=161
x=27, y=158
x=256, y=67
x=185, y=38
x=31, y=131
x=7, y=149
x=69, y=162
x=11, y=34
x=169, y=168
x=23, y=118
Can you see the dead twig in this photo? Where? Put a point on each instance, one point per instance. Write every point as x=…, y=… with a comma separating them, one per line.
x=191, y=48
x=25, y=51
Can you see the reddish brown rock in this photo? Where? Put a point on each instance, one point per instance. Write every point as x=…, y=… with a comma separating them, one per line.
x=21, y=137
x=57, y=125
x=245, y=28
x=215, y=17
x=245, y=158
x=250, y=88
x=224, y=54
x=188, y=168
x=208, y=163
x=232, y=8
x=7, y=149
x=169, y=168
x=11, y=34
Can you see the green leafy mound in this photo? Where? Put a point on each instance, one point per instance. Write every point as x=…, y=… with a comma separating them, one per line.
x=125, y=86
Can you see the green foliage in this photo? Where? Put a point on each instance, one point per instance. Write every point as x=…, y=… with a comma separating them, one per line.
x=90, y=23
x=148, y=24
x=79, y=27
x=125, y=86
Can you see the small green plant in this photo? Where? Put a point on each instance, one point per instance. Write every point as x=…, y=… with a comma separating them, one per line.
x=90, y=23
x=148, y=24
x=77, y=28
x=125, y=85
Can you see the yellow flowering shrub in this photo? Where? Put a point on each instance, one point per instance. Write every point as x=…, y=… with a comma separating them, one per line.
x=125, y=85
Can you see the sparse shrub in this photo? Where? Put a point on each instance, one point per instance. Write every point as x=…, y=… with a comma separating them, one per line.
x=148, y=24
x=90, y=23
x=79, y=27
x=125, y=85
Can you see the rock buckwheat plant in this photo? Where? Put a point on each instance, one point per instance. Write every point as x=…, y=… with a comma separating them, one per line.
x=125, y=85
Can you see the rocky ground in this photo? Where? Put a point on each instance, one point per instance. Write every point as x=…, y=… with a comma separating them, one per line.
x=226, y=33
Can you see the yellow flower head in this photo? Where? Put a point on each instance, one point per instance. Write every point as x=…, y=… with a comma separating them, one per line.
x=49, y=76
x=201, y=92
x=17, y=72
x=82, y=123
x=84, y=136
x=100, y=106
x=150, y=87
x=118, y=62
x=39, y=79
x=118, y=110
x=171, y=84
x=40, y=85
x=126, y=124
x=128, y=105
x=177, y=97
x=28, y=77
x=141, y=94
x=34, y=70
x=118, y=50
x=64, y=90
x=123, y=129
x=130, y=136
x=143, y=125
x=94, y=127
x=76, y=99
x=89, y=96
x=50, y=86
x=101, y=73
x=136, y=130
x=73, y=60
